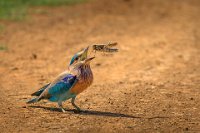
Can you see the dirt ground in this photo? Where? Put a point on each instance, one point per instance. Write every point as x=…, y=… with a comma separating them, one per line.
x=151, y=85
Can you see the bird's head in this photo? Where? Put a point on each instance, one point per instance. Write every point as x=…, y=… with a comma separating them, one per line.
x=80, y=56
x=78, y=67
x=83, y=63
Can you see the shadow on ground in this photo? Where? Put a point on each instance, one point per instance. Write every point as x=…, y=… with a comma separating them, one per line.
x=89, y=112
x=97, y=113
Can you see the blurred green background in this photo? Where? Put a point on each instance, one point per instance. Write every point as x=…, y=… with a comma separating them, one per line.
x=17, y=9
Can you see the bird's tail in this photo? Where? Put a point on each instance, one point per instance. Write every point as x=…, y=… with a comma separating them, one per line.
x=33, y=100
x=39, y=92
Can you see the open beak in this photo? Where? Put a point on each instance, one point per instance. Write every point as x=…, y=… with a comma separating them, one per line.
x=84, y=54
x=89, y=59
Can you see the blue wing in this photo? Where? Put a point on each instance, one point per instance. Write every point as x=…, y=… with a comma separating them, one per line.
x=39, y=92
x=59, y=91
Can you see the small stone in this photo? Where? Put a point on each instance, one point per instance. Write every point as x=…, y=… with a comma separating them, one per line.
x=14, y=68
x=98, y=64
x=121, y=82
x=129, y=126
x=34, y=56
x=86, y=100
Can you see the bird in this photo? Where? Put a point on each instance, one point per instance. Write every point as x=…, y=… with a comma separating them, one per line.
x=68, y=84
x=76, y=58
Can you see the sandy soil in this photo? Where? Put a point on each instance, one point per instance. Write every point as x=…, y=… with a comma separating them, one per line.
x=151, y=85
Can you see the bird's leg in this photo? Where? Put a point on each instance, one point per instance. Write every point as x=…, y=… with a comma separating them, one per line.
x=60, y=106
x=73, y=103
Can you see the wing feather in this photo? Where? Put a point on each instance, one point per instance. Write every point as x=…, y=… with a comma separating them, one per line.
x=62, y=85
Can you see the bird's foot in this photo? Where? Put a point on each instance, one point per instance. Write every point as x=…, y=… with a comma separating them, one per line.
x=63, y=110
x=78, y=110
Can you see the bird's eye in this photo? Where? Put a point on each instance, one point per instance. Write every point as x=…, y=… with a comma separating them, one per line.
x=76, y=58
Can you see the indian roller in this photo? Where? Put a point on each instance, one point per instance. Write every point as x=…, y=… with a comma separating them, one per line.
x=68, y=84
x=77, y=57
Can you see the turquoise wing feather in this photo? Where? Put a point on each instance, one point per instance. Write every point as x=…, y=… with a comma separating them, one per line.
x=60, y=90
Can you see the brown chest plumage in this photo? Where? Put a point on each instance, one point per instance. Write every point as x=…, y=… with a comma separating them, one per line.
x=85, y=79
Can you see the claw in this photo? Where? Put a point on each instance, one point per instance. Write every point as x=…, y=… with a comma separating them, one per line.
x=63, y=110
x=61, y=107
